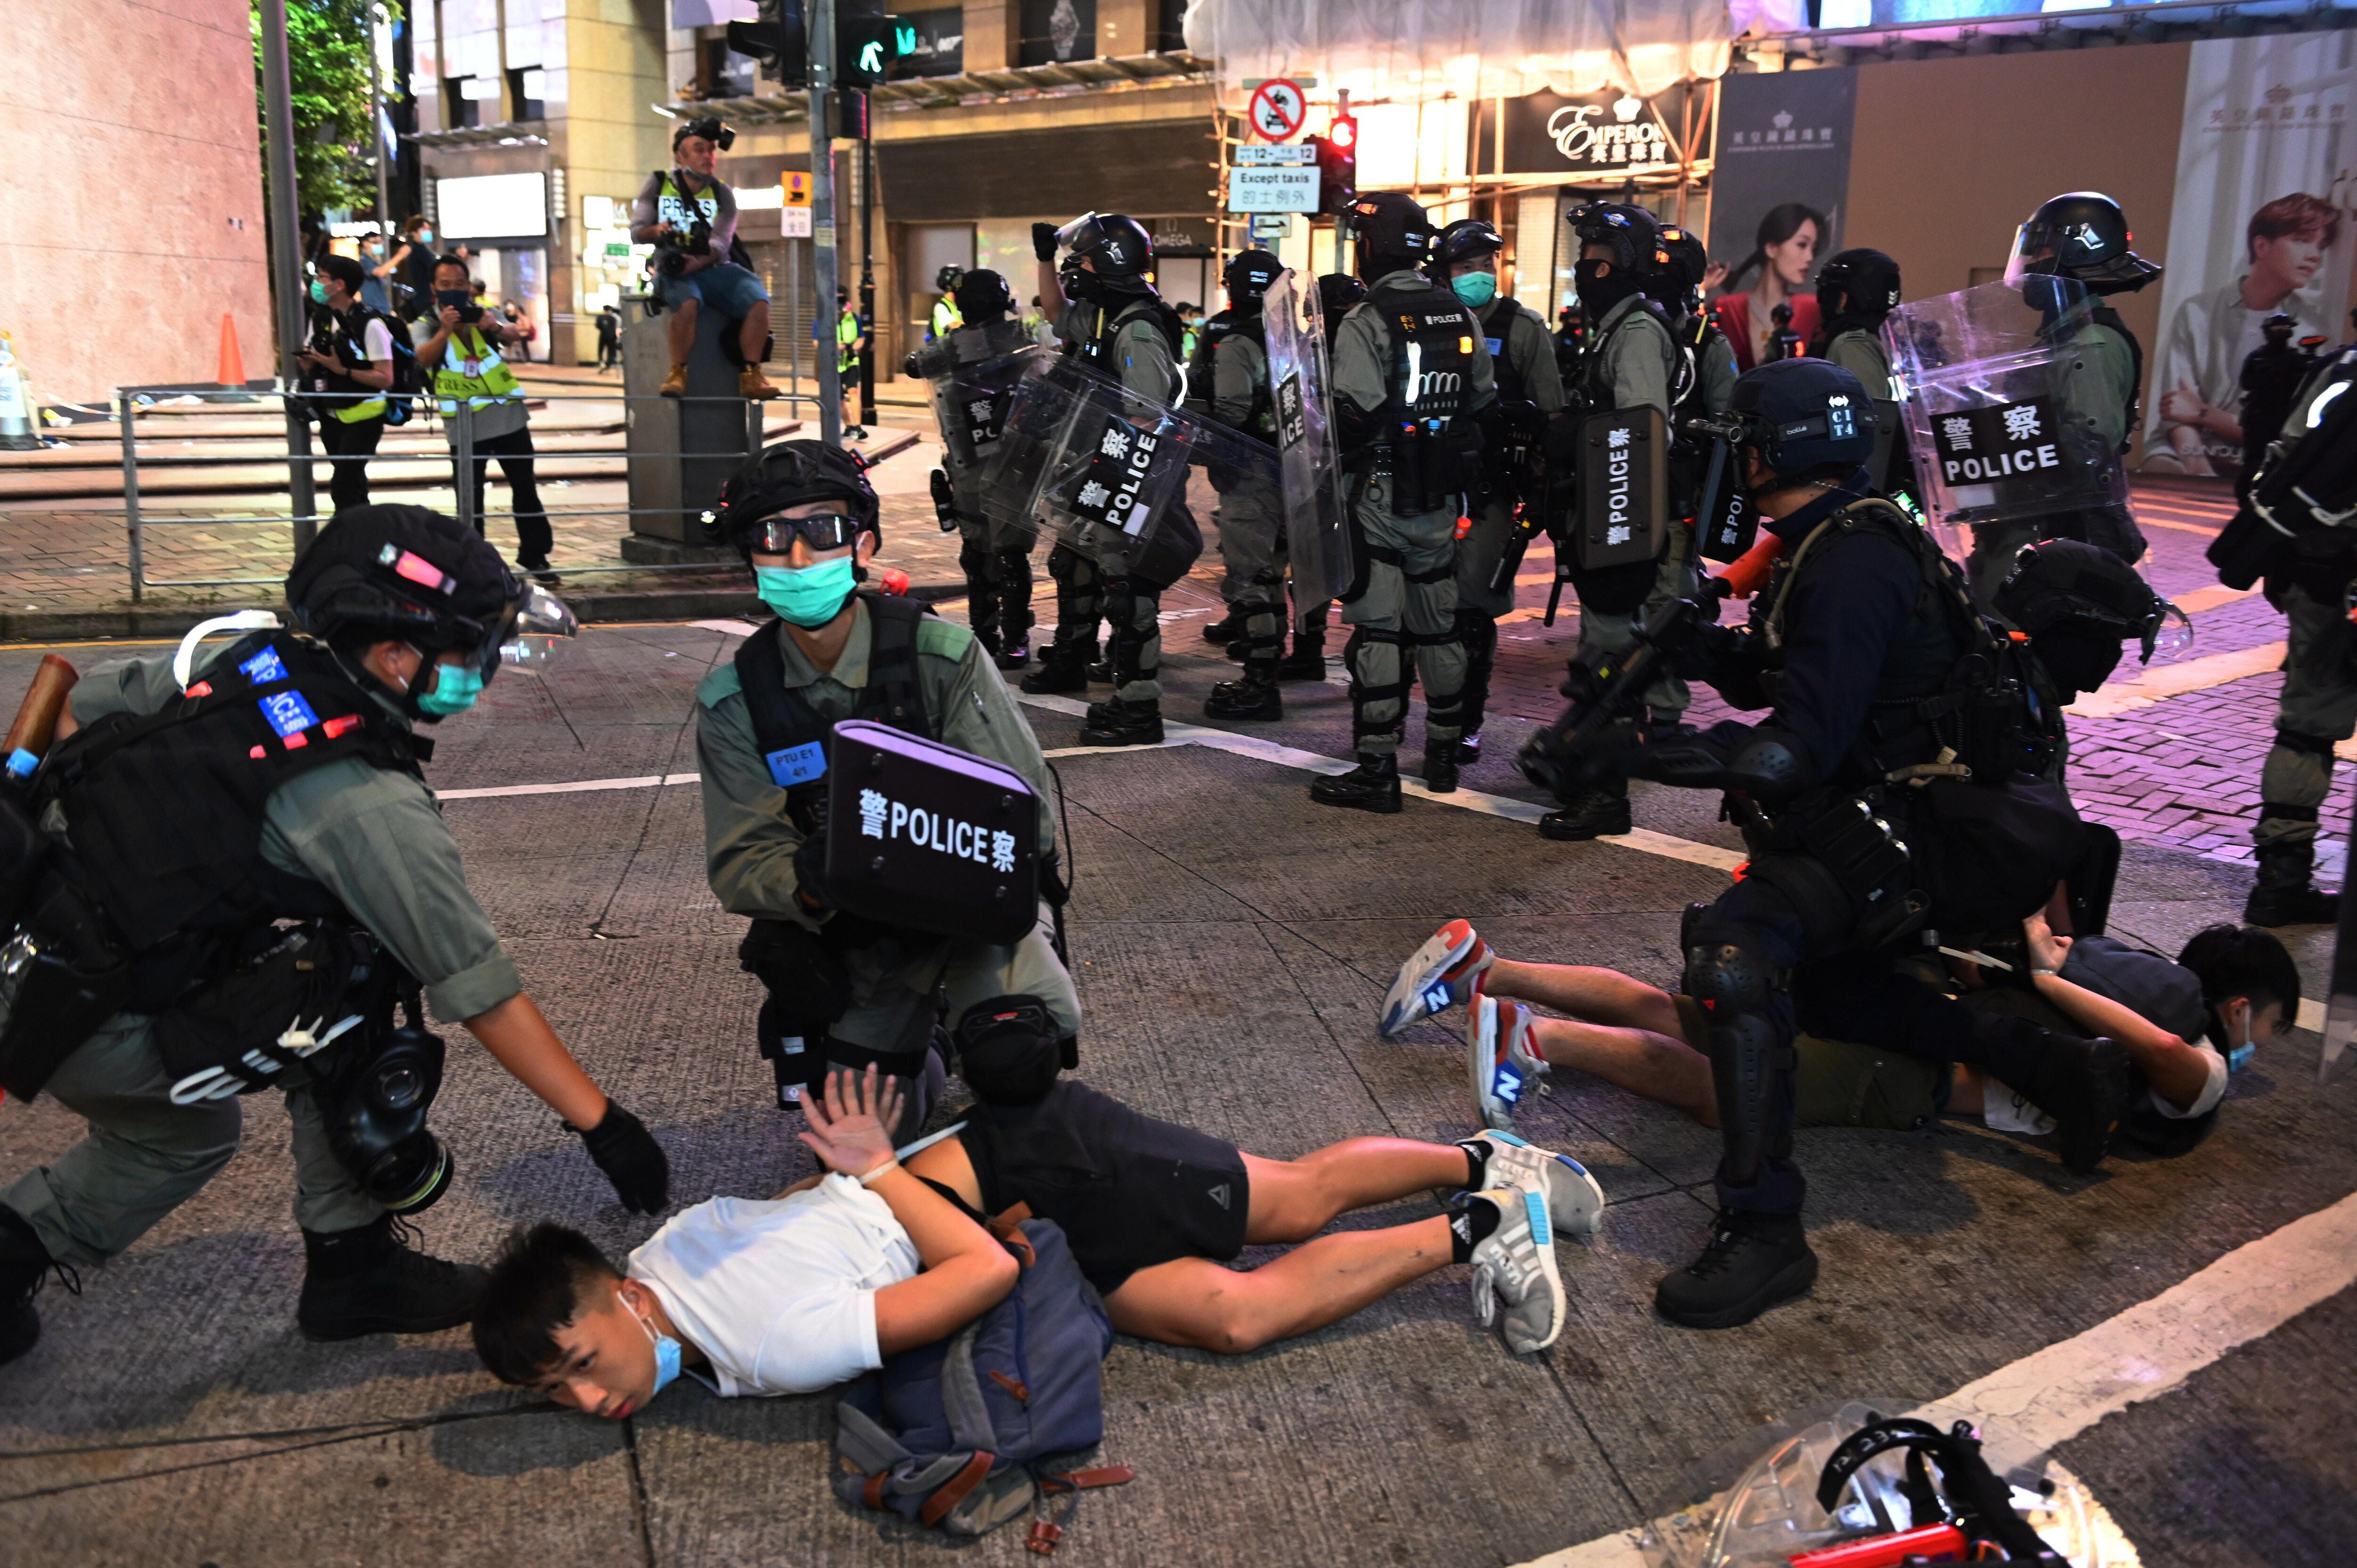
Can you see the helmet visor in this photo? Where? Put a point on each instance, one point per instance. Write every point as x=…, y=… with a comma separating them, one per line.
x=2170, y=630
x=541, y=620
x=2033, y=251
x=1080, y=234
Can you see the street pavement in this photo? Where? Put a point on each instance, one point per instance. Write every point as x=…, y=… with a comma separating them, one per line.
x=2179, y=1330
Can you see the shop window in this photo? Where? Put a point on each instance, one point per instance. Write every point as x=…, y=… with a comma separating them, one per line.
x=1058, y=30
x=467, y=104
x=1169, y=25
x=940, y=43
x=525, y=88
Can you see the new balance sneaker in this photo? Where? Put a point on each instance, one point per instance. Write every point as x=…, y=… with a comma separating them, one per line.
x=1575, y=1202
x=1437, y=976
x=1501, y=1057
x=1513, y=1267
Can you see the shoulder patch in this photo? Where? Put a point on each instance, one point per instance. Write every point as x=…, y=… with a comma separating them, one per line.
x=720, y=684
x=943, y=639
x=1144, y=331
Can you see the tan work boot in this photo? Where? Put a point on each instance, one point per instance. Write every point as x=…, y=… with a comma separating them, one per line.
x=752, y=384
x=675, y=383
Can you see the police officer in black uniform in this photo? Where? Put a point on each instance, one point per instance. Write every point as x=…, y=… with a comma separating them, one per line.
x=2270, y=380
x=1228, y=384
x=198, y=803
x=1865, y=648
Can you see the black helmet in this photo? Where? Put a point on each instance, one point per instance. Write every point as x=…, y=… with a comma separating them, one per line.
x=2280, y=327
x=1247, y=276
x=787, y=475
x=2081, y=234
x=2078, y=604
x=946, y=280
x=982, y=297
x=1860, y=283
x=709, y=127
x=1467, y=240
x=1803, y=413
x=1393, y=233
x=1337, y=292
x=1680, y=280
x=1633, y=234
x=1120, y=246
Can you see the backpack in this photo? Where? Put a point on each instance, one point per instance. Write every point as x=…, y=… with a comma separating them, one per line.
x=958, y=1435
x=407, y=378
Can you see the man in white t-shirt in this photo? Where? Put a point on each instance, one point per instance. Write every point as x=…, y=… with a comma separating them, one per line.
x=821, y=1282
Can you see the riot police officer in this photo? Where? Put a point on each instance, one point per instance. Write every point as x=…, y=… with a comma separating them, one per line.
x=1228, y=382
x=1411, y=374
x=1866, y=647
x=1108, y=315
x=995, y=557
x=2081, y=236
x=1705, y=378
x=2270, y=379
x=1530, y=394
x=1857, y=291
x=1630, y=362
x=846, y=991
x=196, y=803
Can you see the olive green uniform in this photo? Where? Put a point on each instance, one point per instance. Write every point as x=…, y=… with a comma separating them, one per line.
x=1251, y=513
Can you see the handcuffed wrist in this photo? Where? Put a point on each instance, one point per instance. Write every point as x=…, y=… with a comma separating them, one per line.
x=872, y=1178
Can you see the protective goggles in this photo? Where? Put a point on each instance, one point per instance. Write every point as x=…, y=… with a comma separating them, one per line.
x=827, y=531
x=530, y=635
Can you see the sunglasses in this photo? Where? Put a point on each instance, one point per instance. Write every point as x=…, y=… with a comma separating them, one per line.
x=827, y=531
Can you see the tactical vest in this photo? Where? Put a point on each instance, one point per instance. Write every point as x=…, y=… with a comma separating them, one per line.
x=165, y=810
x=1596, y=364
x=1429, y=383
x=796, y=743
x=490, y=383
x=1692, y=336
x=2104, y=316
x=1097, y=349
x=1497, y=325
x=1260, y=418
x=353, y=401
x=1202, y=364
x=1953, y=692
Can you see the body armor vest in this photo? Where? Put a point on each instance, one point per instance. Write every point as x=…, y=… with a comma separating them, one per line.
x=796, y=741
x=1498, y=320
x=1097, y=349
x=1595, y=363
x=1429, y=381
x=2104, y=316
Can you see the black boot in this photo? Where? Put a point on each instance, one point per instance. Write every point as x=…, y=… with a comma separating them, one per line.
x=1468, y=749
x=1373, y=786
x=25, y=1266
x=1064, y=667
x=1119, y=723
x=1752, y=1262
x=1307, y=662
x=1225, y=629
x=2284, y=893
x=1440, y=768
x=1014, y=655
x=1254, y=697
x=2087, y=1086
x=1099, y=672
x=368, y=1281
x=1591, y=814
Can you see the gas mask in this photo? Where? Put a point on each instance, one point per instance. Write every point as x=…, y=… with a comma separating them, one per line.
x=373, y=1103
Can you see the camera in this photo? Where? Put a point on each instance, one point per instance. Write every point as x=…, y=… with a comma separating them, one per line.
x=457, y=298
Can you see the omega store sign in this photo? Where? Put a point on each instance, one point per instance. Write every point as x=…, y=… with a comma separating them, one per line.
x=1601, y=136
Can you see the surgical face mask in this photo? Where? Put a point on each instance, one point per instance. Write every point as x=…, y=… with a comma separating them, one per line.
x=805, y=596
x=425, y=236
x=318, y=291
x=1476, y=289
x=455, y=689
x=2239, y=1053
x=667, y=1353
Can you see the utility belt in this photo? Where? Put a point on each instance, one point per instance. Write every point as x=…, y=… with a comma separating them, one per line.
x=1429, y=468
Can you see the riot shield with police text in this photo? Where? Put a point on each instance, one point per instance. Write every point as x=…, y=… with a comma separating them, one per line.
x=1624, y=487
x=971, y=375
x=1297, y=377
x=1997, y=398
x=1090, y=465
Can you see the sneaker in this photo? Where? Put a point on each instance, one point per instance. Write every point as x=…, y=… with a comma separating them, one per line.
x=752, y=385
x=675, y=383
x=1575, y=1202
x=1468, y=749
x=369, y=1281
x=1501, y=1057
x=1513, y=1266
x=1753, y=1262
x=1438, y=976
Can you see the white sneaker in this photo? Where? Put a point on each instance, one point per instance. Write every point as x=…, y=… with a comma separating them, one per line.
x=1438, y=976
x=1501, y=1057
x=1575, y=1202
x=1514, y=1266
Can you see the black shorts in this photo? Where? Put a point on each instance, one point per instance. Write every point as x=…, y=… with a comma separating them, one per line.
x=1129, y=1191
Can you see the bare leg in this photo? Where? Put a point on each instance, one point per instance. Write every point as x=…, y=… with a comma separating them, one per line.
x=682, y=330
x=755, y=334
x=1292, y=1200
x=1598, y=995
x=1643, y=1061
x=1195, y=1301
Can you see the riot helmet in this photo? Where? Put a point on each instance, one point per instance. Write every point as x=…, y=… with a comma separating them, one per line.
x=1801, y=416
x=1119, y=252
x=982, y=297
x=791, y=473
x=1467, y=240
x=1861, y=284
x=1337, y=292
x=1393, y=233
x=1635, y=257
x=2278, y=328
x=402, y=574
x=1679, y=282
x=946, y=280
x=2077, y=604
x=1246, y=278
x=2081, y=234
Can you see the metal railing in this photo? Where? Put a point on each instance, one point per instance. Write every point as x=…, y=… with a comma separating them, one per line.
x=458, y=430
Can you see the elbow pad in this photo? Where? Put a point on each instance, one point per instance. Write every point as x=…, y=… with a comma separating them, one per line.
x=1773, y=767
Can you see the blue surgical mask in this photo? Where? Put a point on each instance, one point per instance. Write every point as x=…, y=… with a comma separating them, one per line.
x=1476, y=289
x=318, y=291
x=455, y=689
x=805, y=596
x=667, y=1353
x=2238, y=1056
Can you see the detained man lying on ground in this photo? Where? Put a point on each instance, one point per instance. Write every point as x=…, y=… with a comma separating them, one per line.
x=2183, y=1024
x=819, y=1284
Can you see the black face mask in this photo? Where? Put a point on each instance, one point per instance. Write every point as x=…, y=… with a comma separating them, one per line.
x=1602, y=285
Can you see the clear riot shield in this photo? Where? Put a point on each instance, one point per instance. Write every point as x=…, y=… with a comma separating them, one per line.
x=1297, y=375
x=1991, y=392
x=971, y=375
x=1087, y=463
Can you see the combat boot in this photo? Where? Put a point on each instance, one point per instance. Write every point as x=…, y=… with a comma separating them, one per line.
x=2087, y=1085
x=1440, y=768
x=1064, y=667
x=1225, y=629
x=1592, y=813
x=1119, y=723
x=369, y=1281
x=2284, y=893
x=1752, y=1262
x=1373, y=786
x=1254, y=697
x=25, y=1266
x=1468, y=749
x=1307, y=662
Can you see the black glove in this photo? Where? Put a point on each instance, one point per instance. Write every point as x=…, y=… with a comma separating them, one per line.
x=1684, y=762
x=630, y=1158
x=810, y=872
x=1043, y=241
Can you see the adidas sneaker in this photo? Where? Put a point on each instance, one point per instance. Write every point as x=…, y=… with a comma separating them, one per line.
x=1513, y=1267
x=1575, y=1202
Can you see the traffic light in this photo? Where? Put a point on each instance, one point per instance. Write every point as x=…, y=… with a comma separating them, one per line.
x=777, y=41
x=868, y=42
x=1337, y=164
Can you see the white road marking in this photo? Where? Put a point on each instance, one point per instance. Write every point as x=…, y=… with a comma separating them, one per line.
x=578, y=787
x=2175, y=680
x=2057, y=1394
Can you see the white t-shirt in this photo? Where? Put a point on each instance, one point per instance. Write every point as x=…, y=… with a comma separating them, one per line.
x=779, y=1295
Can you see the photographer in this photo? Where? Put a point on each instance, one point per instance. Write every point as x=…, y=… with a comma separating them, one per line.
x=689, y=214
x=410, y=266
x=465, y=364
x=349, y=358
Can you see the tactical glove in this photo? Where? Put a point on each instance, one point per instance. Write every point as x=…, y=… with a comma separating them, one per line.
x=1043, y=241
x=631, y=1159
x=810, y=873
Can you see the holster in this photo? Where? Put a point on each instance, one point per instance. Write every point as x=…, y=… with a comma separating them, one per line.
x=63, y=974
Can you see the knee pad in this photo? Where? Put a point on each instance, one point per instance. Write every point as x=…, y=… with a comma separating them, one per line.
x=973, y=561
x=2315, y=746
x=1726, y=972
x=1061, y=562
x=1009, y=1049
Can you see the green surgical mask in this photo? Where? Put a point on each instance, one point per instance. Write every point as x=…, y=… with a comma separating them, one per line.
x=455, y=687
x=318, y=291
x=805, y=596
x=1476, y=289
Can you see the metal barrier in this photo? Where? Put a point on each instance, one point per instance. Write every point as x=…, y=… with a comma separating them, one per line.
x=299, y=456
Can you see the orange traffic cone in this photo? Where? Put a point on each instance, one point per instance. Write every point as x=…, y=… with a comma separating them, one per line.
x=233, y=363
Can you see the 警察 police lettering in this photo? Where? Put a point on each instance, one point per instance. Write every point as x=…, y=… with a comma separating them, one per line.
x=1623, y=468
x=1997, y=442
x=927, y=836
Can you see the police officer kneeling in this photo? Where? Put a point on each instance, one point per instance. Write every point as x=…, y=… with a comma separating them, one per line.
x=846, y=989
x=1885, y=796
x=277, y=781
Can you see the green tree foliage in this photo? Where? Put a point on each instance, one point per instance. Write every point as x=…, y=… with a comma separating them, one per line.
x=327, y=54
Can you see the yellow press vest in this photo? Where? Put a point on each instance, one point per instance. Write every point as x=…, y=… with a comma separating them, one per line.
x=492, y=382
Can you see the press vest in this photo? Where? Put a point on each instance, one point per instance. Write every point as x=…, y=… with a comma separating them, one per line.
x=797, y=744
x=351, y=336
x=490, y=383
x=165, y=810
x=675, y=206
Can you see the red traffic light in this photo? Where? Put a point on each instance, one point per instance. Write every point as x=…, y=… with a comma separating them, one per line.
x=1344, y=132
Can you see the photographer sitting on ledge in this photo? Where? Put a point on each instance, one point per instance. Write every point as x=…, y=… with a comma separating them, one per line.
x=690, y=215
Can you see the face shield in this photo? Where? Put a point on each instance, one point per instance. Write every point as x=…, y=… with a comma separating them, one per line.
x=2034, y=252
x=2169, y=630
x=530, y=635
x=1081, y=232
